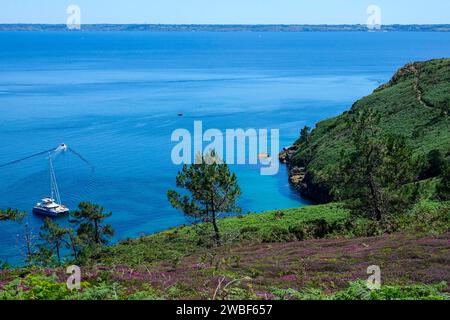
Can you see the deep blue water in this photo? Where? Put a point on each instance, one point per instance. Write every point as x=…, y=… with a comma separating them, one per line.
x=114, y=98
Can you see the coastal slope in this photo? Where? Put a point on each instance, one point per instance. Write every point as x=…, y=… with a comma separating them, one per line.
x=314, y=252
x=415, y=103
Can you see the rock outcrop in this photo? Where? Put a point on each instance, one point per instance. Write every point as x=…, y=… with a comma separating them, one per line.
x=302, y=181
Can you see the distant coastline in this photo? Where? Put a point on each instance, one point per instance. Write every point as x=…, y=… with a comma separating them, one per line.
x=225, y=28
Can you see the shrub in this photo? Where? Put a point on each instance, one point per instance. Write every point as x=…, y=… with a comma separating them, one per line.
x=319, y=228
x=149, y=293
x=298, y=232
x=246, y=230
x=291, y=294
x=443, y=189
x=435, y=164
x=427, y=217
x=101, y=291
x=277, y=234
x=278, y=215
x=358, y=290
x=35, y=287
x=236, y=293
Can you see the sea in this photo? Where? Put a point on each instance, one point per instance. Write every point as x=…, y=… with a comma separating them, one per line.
x=115, y=98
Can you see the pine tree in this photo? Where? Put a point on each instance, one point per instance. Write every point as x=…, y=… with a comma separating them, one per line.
x=211, y=190
x=443, y=188
x=29, y=247
x=74, y=244
x=89, y=219
x=305, y=135
x=12, y=215
x=370, y=177
x=53, y=239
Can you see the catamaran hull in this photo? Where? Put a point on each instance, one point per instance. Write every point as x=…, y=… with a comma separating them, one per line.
x=49, y=213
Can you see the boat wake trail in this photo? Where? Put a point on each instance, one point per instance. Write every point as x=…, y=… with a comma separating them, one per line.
x=51, y=153
x=26, y=158
x=83, y=182
x=82, y=158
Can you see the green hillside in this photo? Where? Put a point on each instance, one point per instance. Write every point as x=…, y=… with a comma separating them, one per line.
x=315, y=252
x=414, y=104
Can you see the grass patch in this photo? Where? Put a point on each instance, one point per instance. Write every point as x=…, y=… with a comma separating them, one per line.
x=358, y=290
x=270, y=226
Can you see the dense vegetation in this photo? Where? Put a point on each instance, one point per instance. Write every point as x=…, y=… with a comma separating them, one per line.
x=56, y=245
x=414, y=105
x=386, y=161
x=48, y=287
x=317, y=252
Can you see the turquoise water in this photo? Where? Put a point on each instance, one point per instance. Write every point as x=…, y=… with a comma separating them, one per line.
x=114, y=98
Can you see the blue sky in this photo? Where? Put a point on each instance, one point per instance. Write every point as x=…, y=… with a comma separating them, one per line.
x=226, y=11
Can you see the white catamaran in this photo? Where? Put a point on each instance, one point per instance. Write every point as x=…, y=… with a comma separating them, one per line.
x=51, y=206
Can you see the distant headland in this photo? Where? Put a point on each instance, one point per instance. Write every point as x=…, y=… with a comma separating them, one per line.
x=226, y=27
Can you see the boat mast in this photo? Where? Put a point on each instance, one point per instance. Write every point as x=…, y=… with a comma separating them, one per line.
x=54, y=185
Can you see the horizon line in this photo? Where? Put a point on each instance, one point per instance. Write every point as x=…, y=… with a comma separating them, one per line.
x=229, y=24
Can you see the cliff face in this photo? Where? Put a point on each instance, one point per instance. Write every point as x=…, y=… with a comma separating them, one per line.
x=302, y=180
x=415, y=103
